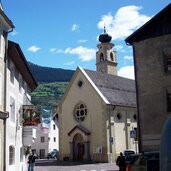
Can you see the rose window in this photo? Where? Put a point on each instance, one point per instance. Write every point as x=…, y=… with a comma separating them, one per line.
x=80, y=112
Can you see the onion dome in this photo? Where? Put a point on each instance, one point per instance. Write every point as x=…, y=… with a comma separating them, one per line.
x=104, y=37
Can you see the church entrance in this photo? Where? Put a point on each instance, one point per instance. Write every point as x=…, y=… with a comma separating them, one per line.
x=79, y=143
x=79, y=147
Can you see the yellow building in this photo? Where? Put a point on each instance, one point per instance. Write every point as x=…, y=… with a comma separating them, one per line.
x=97, y=111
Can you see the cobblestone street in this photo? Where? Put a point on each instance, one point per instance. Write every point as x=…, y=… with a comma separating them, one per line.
x=53, y=165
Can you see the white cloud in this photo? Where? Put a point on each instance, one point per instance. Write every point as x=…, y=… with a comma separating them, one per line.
x=70, y=63
x=82, y=41
x=75, y=27
x=126, y=20
x=119, y=48
x=83, y=53
x=127, y=71
x=55, y=50
x=128, y=57
x=33, y=48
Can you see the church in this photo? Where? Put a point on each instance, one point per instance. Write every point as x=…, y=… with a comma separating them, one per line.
x=97, y=113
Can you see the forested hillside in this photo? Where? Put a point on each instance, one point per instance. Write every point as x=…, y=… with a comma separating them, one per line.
x=52, y=83
x=48, y=95
x=47, y=74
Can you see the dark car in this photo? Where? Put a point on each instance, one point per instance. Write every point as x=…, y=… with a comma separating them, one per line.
x=148, y=161
x=128, y=155
x=54, y=154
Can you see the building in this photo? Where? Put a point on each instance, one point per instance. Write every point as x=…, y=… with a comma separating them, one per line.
x=152, y=60
x=46, y=142
x=97, y=111
x=6, y=26
x=22, y=121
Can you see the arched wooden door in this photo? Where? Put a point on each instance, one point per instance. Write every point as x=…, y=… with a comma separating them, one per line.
x=79, y=147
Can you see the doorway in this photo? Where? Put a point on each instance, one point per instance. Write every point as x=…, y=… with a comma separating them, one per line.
x=78, y=153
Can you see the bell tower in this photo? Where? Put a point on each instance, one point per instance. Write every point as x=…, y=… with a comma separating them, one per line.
x=105, y=56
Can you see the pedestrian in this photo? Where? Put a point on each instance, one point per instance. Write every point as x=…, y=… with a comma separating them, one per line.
x=31, y=161
x=120, y=161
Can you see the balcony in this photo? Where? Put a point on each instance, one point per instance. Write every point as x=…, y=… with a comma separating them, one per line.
x=31, y=118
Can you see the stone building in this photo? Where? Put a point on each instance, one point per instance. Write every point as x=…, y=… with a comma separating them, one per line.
x=6, y=26
x=152, y=59
x=98, y=110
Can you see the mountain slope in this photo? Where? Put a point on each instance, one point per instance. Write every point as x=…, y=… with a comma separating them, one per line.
x=47, y=74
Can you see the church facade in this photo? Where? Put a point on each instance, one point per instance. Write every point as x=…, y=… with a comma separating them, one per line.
x=98, y=111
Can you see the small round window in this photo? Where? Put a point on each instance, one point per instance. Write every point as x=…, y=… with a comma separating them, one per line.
x=80, y=112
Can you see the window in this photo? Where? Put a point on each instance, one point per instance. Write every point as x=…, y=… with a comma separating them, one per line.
x=54, y=139
x=167, y=59
x=168, y=64
x=20, y=81
x=12, y=109
x=21, y=154
x=80, y=112
x=12, y=75
x=101, y=57
x=42, y=139
x=135, y=117
x=11, y=155
x=119, y=116
x=12, y=71
x=54, y=127
x=111, y=56
x=80, y=83
x=168, y=102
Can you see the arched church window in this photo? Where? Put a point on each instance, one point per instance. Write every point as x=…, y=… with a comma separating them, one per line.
x=101, y=57
x=119, y=116
x=80, y=112
x=135, y=117
x=111, y=56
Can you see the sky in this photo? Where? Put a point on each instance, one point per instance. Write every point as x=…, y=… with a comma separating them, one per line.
x=64, y=33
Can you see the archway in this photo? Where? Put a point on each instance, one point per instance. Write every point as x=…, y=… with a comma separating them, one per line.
x=79, y=147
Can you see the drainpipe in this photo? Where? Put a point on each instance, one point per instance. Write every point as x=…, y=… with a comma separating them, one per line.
x=5, y=91
x=110, y=131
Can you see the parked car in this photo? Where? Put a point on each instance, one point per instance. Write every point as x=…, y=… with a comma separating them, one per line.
x=148, y=161
x=54, y=154
x=128, y=155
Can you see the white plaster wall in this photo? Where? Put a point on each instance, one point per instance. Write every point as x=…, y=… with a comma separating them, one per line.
x=13, y=130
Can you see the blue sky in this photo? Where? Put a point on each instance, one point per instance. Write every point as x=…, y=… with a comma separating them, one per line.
x=64, y=33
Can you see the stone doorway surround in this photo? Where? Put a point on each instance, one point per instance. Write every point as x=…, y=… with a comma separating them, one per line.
x=79, y=143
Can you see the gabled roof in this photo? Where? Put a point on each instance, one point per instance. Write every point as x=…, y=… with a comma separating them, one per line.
x=81, y=128
x=159, y=25
x=113, y=90
x=117, y=90
x=16, y=55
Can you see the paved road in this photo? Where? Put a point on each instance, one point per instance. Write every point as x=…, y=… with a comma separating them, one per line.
x=53, y=165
